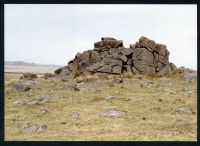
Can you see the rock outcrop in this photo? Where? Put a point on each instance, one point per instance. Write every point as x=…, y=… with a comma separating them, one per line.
x=109, y=56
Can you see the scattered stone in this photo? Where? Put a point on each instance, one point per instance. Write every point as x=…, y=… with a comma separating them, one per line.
x=184, y=110
x=20, y=87
x=35, y=128
x=136, y=99
x=147, y=84
x=116, y=80
x=179, y=120
x=75, y=115
x=87, y=86
x=111, y=113
x=29, y=76
x=48, y=75
x=109, y=98
x=37, y=101
x=70, y=86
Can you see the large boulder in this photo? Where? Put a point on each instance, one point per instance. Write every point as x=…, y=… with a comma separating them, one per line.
x=117, y=69
x=144, y=67
x=145, y=42
x=113, y=43
x=105, y=69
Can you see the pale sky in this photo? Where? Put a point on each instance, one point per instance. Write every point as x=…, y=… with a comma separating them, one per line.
x=53, y=34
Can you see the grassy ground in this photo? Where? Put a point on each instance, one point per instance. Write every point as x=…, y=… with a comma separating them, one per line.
x=152, y=119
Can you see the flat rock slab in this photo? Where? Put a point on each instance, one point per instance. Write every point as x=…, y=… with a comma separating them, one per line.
x=109, y=98
x=136, y=99
x=75, y=115
x=91, y=86
x=29, y=101
x=35, y=128
x=111, y=113
x=184, y=110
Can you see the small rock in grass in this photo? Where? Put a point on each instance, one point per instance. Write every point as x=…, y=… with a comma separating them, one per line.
x=109, y=98
x=184, y=110
x=20, y=87
x=136, y=99
x=75, y=115
x=35, y=128
x=111, y=113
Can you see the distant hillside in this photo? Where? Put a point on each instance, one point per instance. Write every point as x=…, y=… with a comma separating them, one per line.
x=22, y=63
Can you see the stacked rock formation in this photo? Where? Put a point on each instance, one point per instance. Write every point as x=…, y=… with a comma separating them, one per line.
x=109, y=56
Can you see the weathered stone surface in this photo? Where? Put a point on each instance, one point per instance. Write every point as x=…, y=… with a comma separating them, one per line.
x=58, y=71
x=109, y=98
x=142, y=38
x=117, y=69
x=107, y=38
x=148, y=43
x=172, y=66
x=136, y=99
x=165, y=70
x=146, y=56
x=105, y=69
x=128, y=68
x=83, y=57
x=95, y=66
x=134, y=70
x=75, y=115
x=31, y=101
x=163, y=60
x=35, y=128
x=110, y=43
x=95, y=57
x=129, y=62
x=111, y=113
x=132, y=46
x=144, y=67
x=136, y=52
x=159, y=66
x=155, y=57
x=124, y=58
x=112, y=62
x=161, y=49
x=127, y=51
x=184, y=110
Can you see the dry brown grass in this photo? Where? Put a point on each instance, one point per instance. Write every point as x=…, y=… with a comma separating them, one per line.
x=127, y=75
x=12, y=82
x=152, y=119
